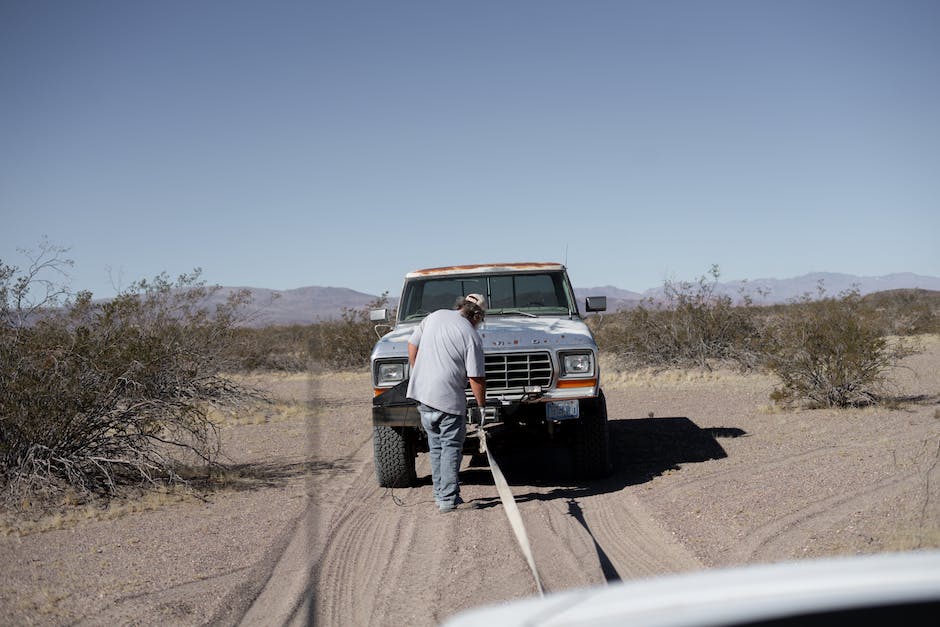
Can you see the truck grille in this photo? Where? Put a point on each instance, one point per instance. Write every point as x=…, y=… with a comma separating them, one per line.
x=509, y=371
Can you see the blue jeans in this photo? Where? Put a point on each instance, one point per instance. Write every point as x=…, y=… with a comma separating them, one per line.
x=446, y=433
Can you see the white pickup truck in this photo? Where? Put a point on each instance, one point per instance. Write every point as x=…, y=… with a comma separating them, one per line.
x=542, y=370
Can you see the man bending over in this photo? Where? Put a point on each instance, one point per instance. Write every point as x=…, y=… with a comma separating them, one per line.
x=444, y=351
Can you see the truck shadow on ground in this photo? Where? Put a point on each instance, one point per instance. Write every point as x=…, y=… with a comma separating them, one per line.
x=641, y=449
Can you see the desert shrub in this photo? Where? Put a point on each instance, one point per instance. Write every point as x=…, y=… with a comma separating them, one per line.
x=692, y=326
x=97, y=395
x=346, y=343
x=831, y=352
x=906, y=312
x=825, y=351
x=342, y=344
x=277, y=348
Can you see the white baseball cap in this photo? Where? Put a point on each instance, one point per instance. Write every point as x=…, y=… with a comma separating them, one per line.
x=476, y=299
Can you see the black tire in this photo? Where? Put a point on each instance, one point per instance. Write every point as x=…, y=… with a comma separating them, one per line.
x=394, y=456
x=591, y=444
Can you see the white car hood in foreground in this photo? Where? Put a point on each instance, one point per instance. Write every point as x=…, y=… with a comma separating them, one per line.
x=504, y=333
x=730, y=596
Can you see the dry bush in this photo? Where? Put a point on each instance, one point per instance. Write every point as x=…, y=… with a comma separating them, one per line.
x=906, y=312
x=343, y=344
x=96, y=395
x=273, y=348
x=831, y=352
x=825, y=351
x=692, y=327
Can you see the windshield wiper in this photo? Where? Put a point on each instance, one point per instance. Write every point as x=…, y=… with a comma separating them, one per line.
x=503, y=312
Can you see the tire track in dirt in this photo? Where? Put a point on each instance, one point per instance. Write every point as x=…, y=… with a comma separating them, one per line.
x=346, y=555
x=745, y=476
x=634, y=541
x=381, y=561
x=374, y=558
x=402, y=591
x=286, y=595
x=384, y=563
x=778, y=539
x=723, y=476
x=564, y=549
x=800, y=522
x=584, y=541
x=580, y=538
x=362, y=552
x=388, y=557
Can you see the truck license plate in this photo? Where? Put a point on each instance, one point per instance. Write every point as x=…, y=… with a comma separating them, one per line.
x=561, y=410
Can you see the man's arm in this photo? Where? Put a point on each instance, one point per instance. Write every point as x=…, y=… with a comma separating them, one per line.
x=412, y=354
x=478, y=387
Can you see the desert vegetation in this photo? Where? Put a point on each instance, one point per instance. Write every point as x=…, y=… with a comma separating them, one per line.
x=825, y=350
x=96, y=396
x=692, y=326
x=343, y=344
x=832, y=352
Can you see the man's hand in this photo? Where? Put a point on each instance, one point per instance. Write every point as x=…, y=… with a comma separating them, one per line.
x=478, y=388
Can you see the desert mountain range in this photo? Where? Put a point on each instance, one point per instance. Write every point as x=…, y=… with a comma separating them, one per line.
x=306, y=305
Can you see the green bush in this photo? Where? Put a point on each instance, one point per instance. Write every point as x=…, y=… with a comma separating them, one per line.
x=831, y=352
x=96, y=395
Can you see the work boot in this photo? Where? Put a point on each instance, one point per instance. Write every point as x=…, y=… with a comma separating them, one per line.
x=449, y=507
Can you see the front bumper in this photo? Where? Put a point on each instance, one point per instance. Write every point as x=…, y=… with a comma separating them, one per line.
x=396, y=416
x=405, y=414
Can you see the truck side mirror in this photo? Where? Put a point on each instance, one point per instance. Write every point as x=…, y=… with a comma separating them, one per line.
x=595, y=303
x=378, y=315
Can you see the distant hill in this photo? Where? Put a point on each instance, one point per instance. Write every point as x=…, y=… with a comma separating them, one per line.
x=307, y=305
x=304, y=305
x=771, y=291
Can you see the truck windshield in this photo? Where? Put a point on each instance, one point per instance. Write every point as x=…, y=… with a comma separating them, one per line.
x=509, y=294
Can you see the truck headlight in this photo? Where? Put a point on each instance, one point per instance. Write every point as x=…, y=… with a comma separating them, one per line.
x=390, y=372
x=577, y=365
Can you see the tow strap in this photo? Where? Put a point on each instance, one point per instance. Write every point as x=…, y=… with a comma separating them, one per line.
x=511, y=509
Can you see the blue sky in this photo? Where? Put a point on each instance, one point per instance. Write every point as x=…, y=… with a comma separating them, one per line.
x=287, y=144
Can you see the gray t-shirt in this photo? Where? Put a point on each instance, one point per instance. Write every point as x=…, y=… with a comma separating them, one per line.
x=449, y=351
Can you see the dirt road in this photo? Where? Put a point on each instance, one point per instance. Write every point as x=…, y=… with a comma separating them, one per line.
x=707, y=474
x=388, y=556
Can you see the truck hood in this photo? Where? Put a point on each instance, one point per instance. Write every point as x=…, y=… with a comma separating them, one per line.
x=527, y=333
x=501, y=334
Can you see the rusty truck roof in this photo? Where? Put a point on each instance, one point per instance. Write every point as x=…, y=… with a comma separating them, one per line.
x=485, y=268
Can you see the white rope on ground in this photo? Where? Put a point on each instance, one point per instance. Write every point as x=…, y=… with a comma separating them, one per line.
x=512, y=510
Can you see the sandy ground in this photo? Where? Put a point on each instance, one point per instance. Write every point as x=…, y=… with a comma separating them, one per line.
x=707, y=474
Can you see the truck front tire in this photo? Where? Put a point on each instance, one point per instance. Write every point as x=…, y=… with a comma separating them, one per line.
x=395, y=453
x=591, y=445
